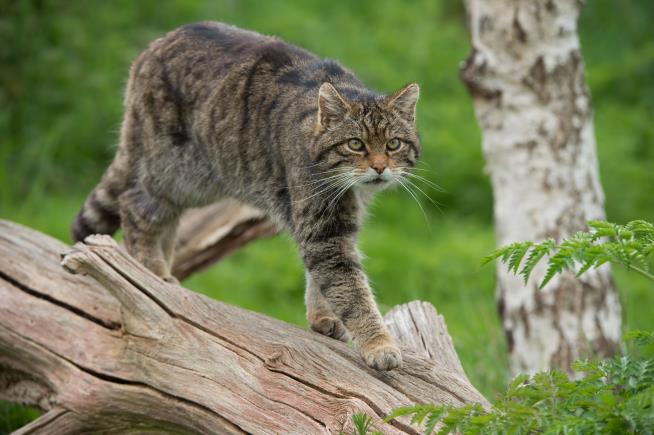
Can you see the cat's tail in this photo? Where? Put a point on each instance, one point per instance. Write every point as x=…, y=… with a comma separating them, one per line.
x=100, y=213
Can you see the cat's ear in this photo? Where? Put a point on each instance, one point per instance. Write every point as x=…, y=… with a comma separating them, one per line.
x=332, y=106
x=404, y=101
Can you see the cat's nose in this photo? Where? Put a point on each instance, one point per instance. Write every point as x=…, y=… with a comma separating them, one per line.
x=378, y=167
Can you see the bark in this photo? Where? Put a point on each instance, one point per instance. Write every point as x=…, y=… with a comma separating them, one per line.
x=110, y=347
x=526, y=75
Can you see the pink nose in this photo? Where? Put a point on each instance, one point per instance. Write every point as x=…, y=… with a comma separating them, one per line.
x=379, y=168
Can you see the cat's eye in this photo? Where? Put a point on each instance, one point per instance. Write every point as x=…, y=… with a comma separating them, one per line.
x=355, y=145
x=393, y=144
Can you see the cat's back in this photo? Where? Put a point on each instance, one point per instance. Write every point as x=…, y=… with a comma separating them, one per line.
x=211, y=50
x=219, y=38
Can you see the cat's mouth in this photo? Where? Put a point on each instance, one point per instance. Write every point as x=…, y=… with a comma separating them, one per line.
x=378, y=180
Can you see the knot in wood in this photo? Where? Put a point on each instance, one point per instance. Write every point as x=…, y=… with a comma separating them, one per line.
x=280, y=356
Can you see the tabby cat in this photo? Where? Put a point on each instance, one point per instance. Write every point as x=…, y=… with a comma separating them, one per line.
x=213, y=111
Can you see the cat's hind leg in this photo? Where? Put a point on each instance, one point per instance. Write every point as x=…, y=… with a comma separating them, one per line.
x=168, y=239
x=320, y=315
x=148, y=223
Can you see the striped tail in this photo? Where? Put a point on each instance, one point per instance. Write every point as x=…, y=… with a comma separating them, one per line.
x=100, y=213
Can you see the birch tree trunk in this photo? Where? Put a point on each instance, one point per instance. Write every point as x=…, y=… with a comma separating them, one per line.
x=526, y=75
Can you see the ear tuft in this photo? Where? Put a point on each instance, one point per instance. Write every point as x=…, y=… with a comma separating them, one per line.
x=332, y=106
x=404, y=101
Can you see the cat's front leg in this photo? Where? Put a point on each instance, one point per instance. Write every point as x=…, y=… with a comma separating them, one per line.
x=335, y=270
x=320, y=315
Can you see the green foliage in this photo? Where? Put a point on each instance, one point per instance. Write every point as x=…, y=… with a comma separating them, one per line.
x=630, y=245
x=614, y=396
x=363, y=425
x=429, y=414
x=13, y=416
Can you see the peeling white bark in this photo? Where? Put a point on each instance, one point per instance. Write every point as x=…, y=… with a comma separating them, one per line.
x=526, y=76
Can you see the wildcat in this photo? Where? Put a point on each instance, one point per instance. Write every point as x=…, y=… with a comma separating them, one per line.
x=213, y=111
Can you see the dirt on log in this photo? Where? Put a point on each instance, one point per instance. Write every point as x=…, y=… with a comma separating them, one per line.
x=101, y=344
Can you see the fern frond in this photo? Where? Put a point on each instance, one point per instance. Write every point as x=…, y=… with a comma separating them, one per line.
x=408, y=410
x=502, y=253
x=630, y=245
x=362, y=423
x=569, y=251
x=642, y=229
x=433, y=418
x=538, y=251
x=518, y=253
x=430, y=414
x=603, y=229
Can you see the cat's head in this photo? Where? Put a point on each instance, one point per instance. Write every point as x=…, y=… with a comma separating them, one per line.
x=369, y=142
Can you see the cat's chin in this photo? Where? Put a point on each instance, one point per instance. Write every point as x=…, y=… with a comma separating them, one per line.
x=374, y=186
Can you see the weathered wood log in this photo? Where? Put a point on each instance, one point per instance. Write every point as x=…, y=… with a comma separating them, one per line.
x=112, y=347
x=210, y=233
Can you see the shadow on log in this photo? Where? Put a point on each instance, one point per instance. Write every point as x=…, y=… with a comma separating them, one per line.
x=111, y=347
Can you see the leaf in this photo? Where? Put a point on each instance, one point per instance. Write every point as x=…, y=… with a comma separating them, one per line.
x=517, y=255
x=502, y=253
x=557, y=264
x=433, y=419
x=362, y=423
x=641, y=228
x=537, y=253
x=603, y=228
x=404, y=410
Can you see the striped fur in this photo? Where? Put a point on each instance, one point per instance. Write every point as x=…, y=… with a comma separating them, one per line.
x=213, y=111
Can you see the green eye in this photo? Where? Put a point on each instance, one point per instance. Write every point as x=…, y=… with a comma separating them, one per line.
x=393, y=144
x=355, y=144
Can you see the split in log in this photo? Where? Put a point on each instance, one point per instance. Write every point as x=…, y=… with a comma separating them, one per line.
x=112, y=347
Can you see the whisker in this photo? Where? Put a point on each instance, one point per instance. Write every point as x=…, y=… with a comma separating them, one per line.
x=426, y=181
x=424, y=214
x=342, y=187
x=335, y=170
x=424, y=163
x=352, y=182
x=436, y=204
x=322, y=180
x=339, y=194
x=334, y=184
x=312, y=166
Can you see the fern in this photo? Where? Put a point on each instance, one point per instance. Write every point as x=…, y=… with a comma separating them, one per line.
x=429, y=413
x=363, y=425
x=614, y=396
x=537, y=252
x=630, y=245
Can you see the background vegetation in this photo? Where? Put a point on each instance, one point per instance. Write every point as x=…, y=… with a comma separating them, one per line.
x=63, y=66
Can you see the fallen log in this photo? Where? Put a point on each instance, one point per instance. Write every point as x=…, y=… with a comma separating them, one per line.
x=208, y=234
x=110, y=347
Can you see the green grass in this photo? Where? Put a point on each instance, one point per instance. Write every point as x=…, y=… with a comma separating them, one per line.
x=13, y=416
x=63, y=74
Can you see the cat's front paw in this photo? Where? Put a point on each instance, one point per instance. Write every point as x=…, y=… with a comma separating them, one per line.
x=331, y=327
x=382, y=355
